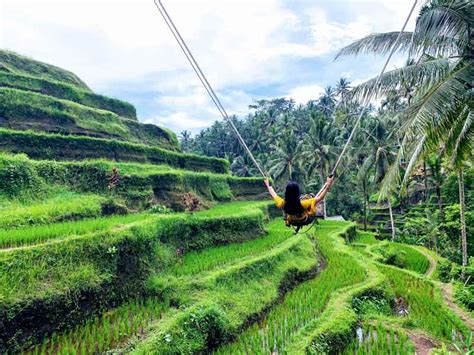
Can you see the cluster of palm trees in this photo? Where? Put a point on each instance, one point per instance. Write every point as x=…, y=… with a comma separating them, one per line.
x=302, y=143
x=425, y=109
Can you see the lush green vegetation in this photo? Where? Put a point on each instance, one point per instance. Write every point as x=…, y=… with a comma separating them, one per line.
x=403, y=256
x=110, y=265
x=29, y=110
x=409, y=169
x=61, y=147
x=67, y=92
x=105, y=332
x=96, y=258
x=21, y=236
x=18, y=64
x=62, y=207
x=301, y=306
x=376, y=339
x=116, y=328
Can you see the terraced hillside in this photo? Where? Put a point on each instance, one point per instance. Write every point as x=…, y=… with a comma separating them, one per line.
x=39, y=97
x=111, y=246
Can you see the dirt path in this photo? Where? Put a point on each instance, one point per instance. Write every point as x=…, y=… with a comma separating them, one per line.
x=447, y=292
x=433, y=263
x=424, y=344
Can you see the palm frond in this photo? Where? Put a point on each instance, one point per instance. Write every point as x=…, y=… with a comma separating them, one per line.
x=441, y=24
x=379, y=43
x=434, y=111
x=425, y=74
x=464, y=134
x=364, y=169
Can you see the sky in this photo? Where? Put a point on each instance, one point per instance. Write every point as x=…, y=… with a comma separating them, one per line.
x=249, y=50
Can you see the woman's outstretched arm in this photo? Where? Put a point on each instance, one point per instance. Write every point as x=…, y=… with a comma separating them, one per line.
x=270, y=189
x=324, y=190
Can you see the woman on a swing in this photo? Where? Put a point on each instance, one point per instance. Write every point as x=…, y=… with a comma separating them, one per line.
x=299, y=212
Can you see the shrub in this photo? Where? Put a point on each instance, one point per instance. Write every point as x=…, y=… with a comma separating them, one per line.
x=201, y=327
x=159, y=209
x=18, y=177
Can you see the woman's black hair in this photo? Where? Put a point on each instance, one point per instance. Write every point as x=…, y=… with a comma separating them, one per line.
x=292, y=199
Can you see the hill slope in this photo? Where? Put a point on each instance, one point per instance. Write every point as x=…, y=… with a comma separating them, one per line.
x=41, y=97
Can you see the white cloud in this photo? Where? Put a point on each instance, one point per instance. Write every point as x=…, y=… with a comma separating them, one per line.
x=302, y=94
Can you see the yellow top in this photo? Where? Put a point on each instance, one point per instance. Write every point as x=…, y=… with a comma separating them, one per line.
x=309, y=204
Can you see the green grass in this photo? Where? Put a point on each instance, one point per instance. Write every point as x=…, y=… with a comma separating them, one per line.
x=366, y=238
x=56, y=231
x=67, y=92
x=208, y=259
x=61, y=147
x=219, y=302
x=302, y=305
x=22, y=108
x=106, y=331
x=60, y=207
x=376, y=339
x=16, y=63
x=427, y=309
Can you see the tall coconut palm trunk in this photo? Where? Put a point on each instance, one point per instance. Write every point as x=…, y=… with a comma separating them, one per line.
x=392, y=222
x=462, y=211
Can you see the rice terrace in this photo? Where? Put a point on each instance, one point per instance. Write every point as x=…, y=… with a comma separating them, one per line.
x=231, y=177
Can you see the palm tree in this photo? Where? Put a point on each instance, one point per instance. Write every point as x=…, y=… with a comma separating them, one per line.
x=381, y=154
x=284, y=163
x=317, y=150
x=327, y=101
x=343, y=86
x=462, y=212
x=441, y=111
x=185, y=139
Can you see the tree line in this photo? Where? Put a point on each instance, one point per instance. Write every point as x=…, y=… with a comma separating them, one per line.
x=413, y=151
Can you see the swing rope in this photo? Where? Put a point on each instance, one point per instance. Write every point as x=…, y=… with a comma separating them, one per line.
x=215, y=99
x=377, y=82
x=204, y=81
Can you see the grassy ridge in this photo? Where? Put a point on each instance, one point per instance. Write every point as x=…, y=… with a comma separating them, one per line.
x=67, y=92
x=46, y=287
x=61, y=207
x=25, y=109
x=116, y=326
x=16, y=63
x=28, y=110
x=137, y=184
x=221, y=301
x=303, y=305
x=60, y=147
x=43, y=233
